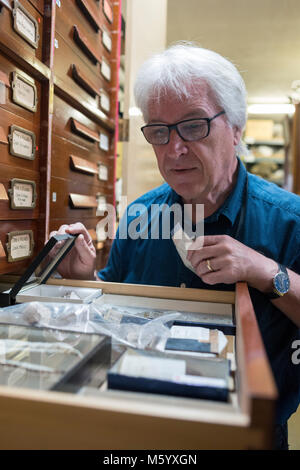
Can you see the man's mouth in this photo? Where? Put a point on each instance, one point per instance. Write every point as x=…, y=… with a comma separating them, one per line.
x=182, y=170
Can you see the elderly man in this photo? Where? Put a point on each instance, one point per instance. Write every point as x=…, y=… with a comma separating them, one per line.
x=194, y=103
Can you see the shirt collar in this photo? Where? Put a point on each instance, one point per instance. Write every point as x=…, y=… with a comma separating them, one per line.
x=232, y=204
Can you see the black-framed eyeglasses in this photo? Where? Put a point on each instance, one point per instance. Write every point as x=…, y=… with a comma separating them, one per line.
x=189, y=130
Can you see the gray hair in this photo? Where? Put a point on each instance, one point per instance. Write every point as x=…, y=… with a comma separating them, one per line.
x=185, y=63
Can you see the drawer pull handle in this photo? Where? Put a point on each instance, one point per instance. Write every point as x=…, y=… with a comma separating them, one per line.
x=84, y=131
x=3, y=138
x=89, y=13
x=84, y=81
x=2, y=251
x=80, y=164
x=82, y=201
x=85, y=46
x=4, y=79
x=3, y=193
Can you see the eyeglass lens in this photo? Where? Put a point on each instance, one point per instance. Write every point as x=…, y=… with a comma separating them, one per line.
x=190, y=130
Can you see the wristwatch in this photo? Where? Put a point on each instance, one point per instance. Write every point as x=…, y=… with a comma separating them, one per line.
x=281, y=283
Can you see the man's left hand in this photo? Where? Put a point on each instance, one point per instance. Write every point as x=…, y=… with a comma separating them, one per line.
x=231, y=261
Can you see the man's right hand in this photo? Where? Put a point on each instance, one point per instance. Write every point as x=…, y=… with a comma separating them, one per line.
x=80, y=262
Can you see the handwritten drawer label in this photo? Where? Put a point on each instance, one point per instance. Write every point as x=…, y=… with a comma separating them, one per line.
x=104, y=142
x=105, y=70
x=20, y=245
x=22, y=194
x=22, y=143
x=25, y=25
x=24, y=92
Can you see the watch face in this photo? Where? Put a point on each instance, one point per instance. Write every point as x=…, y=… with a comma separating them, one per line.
x=282, y=283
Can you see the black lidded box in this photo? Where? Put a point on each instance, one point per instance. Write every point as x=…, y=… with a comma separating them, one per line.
x=41, y=265
x=215, y=373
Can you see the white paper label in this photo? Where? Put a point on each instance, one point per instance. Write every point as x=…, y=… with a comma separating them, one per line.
x=103, y=173
x=106, y=39
x=190, y=332
x=105, y=102
x=20, y=246
x=152, y=367
x=104, y=142
x=101, y=232
x=2, y=93
x=102, y=205
x=22, y=195
x=25, y=25
x=105, y=69
x=22, y=143
x=25, y=93
x=200, y=381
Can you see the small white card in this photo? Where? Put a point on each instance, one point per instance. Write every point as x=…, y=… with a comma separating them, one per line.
x=200, y=381
x=190, y=332
x=152, y=367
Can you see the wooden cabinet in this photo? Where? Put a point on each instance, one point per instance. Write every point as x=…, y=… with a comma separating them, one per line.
x=110, y=419
x=58, y=102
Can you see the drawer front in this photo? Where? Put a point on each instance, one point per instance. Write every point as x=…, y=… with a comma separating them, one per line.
x=74, y=162
x=19, y=193
x=18, y=234
x=24, y=24
x=75, y=126
x=87, y=16
x=38, y=5
x=19, y=142
x=90, y=87
x=73, y=200
x=21, y=94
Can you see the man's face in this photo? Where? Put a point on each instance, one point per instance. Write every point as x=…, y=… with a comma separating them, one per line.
x=195, y=170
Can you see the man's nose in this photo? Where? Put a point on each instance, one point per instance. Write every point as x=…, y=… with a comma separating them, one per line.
x=176, y=146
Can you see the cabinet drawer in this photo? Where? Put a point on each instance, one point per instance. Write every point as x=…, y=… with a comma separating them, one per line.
x=101, y=418
x=89, y=88
x=75, y=126
x=24, y=227
x=72, y=161
x=86, y=15
x=85, y=43
x=38, y=5
x=22, y=23
x=19, y=142
x=21, y=93
x=75, y=200
x=19, y=193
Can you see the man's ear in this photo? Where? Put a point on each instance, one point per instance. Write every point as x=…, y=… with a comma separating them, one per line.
x=237, y=134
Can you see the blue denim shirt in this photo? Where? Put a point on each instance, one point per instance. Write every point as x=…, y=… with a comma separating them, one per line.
x=271, y=225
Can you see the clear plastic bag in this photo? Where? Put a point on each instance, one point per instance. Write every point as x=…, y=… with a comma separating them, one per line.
x=120, y=324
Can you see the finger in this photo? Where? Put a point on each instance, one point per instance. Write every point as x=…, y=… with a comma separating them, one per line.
x=207, y=252
x=79, y=228
x=202, y=266
x=215, y=239
x=87, y=253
